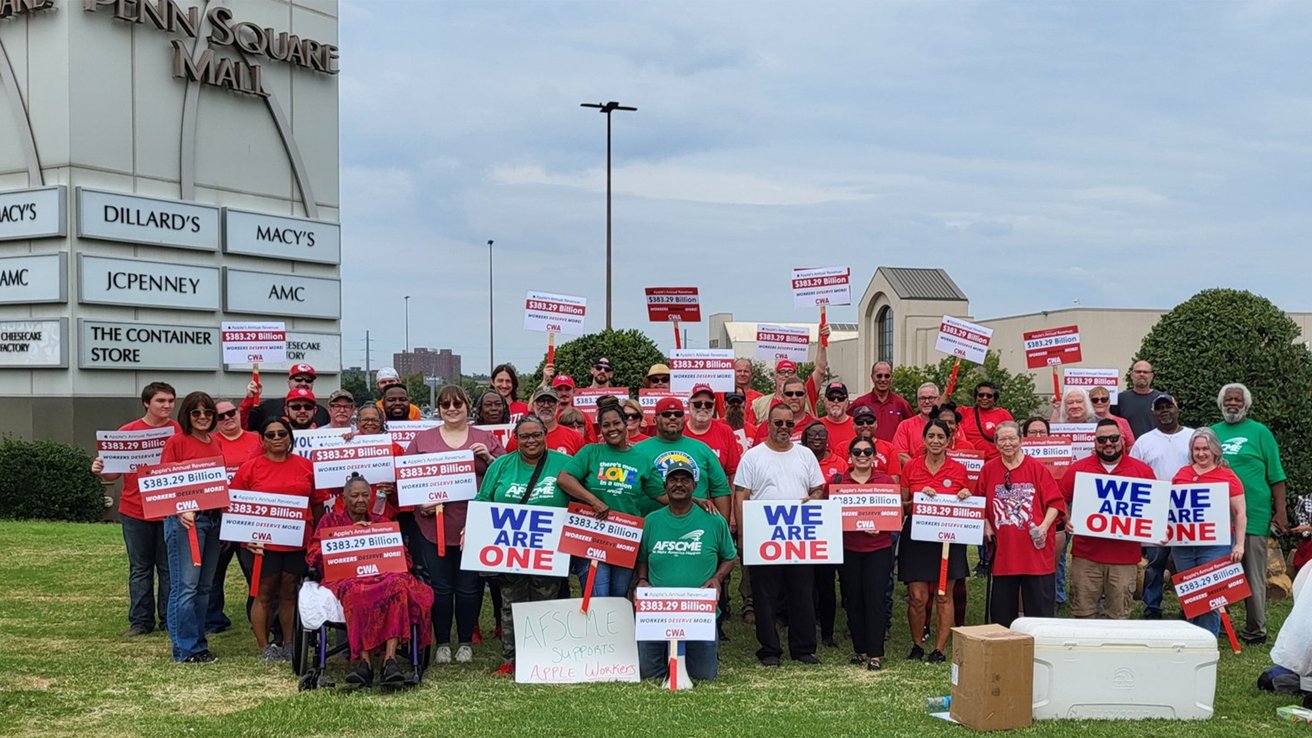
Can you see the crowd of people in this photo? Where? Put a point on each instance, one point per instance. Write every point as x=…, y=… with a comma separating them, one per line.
x=688, y=472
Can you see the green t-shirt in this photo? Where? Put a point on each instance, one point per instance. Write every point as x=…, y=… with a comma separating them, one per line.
x=1253, y=456
x=684, y=550
x=711, y=481
x=507, y=477
x=614, y=476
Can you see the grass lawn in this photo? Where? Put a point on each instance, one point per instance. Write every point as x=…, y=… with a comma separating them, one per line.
x=65, y=671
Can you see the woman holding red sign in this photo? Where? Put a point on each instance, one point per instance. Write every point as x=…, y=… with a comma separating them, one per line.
x=379, y=609
x=189, y=592
x=867, y=566
x=280, y=568
x=919, y=562
x=1209, y=466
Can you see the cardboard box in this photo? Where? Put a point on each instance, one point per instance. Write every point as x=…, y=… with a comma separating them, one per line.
x=992, y=677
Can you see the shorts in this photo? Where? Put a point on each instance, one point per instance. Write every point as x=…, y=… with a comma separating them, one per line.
x=276, y=562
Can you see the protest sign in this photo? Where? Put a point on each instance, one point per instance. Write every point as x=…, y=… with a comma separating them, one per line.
x=790, y=532
x=691, y=367
x=673, y=304
x=963, y=339
x=550, y=313
x=648, y=398
x=183, y=486
x=368, y=456
x=502, y=431
x=971, y=459
x=775, y=343
x=305, y=441
x=1052, y=347
x=1087, y=379
x=945, y=519
x=611, y=541
x=823, y=286
x=123, y=451
x=1120, y=508
x=441, y=477
x=265, y=517
x=868, y=507
x=585, y=399
x=1214, y=585
x=675, y=613
x=1053, y=453
x=404, y=431
x=557, y=643
x=254, y=343
x=514, y=539
x=353, y=551
x=1080, y=436
x=1199, y=515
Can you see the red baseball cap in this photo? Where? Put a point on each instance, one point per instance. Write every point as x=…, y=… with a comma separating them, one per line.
x=698, y=389
x=300, y=393
x=302, y=369
x=785, y=364
x=563, y=380
x=669, y=404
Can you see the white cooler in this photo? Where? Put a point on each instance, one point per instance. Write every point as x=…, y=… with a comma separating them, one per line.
x=1121, y=669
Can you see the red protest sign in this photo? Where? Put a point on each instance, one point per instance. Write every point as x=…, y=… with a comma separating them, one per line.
x=611, y=541
x=440, y=477
x=868, y=508
x=1054, y=453
x=585, y=399
x=673, y=303
x=1214, y=585
x=183, y=486
x=972, y=460
x=1052, y=347
x=354, y=551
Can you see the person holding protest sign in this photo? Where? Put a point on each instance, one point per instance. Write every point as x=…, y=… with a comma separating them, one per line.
x=832, y=468
x=341, y=407
x=1074, y=407
x=836, y=420
x=505, y=381
x=670, y=444
x=918, y=562
x=559, y=438
x=608, y=476
x=780, y=470
x=457, y=593
x=667, y=559
x=602, y=372
x=1209, y=465
x=189, y=585
x=633, y=420
x=1165, y=448
x=1022, y=503
x=1101, y=399
x=148, y=559
x=785, y=372
x=908, y=439
x=867, y=566
x=237, y=445
x=889, y=407
x=254, y=413
x=794, y=395
x=526, y=476
x=280, y=471
x=301, y=409
x=563, y=384
x=980, y=423
x=1253, y=455
x=1102, y=568
x=379, y=609
x=657, y=377
x=863, y=421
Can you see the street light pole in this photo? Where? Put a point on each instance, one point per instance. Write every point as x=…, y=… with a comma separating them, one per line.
x=491, y=335
x=407, y=324
x=607, y=108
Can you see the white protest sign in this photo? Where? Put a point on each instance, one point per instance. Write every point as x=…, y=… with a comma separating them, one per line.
x=963, y=339
x=1199, y=515
x=265, y=517
x=446, y=476
x=777, y=342
x=124, y=451
x=946, y=519
x=675, y=613
x=691, y=367
x=1080, y=435
x=305, y=441
x=550, y=313
x=1087, y=379
x=792, y=532
x=814, y=287
x=254, y=343
x=368, y=456
x=404, y=431
x=1120, y=508
x=557, y=643
x=514, y=539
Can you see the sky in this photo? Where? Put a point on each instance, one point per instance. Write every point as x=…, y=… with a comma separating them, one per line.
x=1118, y=154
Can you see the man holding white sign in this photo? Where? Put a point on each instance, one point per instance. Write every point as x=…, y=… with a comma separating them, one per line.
x=683, y=545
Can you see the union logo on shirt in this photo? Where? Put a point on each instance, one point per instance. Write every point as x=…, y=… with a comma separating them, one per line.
x=687, y=544
x=664, y=459
x=1233, y=446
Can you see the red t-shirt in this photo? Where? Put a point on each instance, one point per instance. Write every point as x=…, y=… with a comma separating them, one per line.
x=840, y=435
x=989, y=419
x=865, y=541
x=239, y=450
x=763, y=430
x=958, y=443
x=886, y=460
x=832, y=465
x=1014, y=508
x=129, y=501
x=181, y=447
x=565, y=440
x=295, y=476
x=948, y=480
x=723, y=441
x=518, y=409
x=1104, y=550
x=909, y=438
x=1217, y=474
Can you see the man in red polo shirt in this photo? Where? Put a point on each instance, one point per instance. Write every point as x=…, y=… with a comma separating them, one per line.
x=890, y=408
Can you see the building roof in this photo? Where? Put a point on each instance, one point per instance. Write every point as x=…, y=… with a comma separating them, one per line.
x=922, y=284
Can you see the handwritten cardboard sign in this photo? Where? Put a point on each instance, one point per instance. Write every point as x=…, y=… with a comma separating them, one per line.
x=557, y=643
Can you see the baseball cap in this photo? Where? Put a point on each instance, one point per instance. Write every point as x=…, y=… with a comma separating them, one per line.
x=785, y=365
x=679, y=465
x=860, y=410
x=835, y=387
x=602, y=361
x=300, y=393
x=387, y=373
x=341, y=394
x=563, y=380
x=658, y=369
x=669, y=404
x=545, y=392
x=1163, y=399
x=698, y=389
x=731, y=396
x=305, y=369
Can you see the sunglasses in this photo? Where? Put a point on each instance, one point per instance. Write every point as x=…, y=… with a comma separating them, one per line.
x=883, y=376
x=451, y=404
x=986, y=395
x=659, y=380
x=577, y=424
x=783, y=423
x=1107, y=439
x=546, y=401
x=702, y=405
x=276, y=434
x=1100, y=400
x=300, y=406
x=302, y=379
x=863, y=452
x=602, y=367
x=632, y=416
x=795, y=394
x=672, y=414
x=863, y=421
x=835, y=398
x=734, y=401
x=202, y=413
x=227, y=415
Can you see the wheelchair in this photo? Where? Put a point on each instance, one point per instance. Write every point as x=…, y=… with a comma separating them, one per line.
x=312, y=647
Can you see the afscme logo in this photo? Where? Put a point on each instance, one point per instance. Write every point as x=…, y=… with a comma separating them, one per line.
x=695, y=535
x=688, y=543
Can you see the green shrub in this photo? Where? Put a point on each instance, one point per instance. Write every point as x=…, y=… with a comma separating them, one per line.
x=630, y=351
x=43, y=480
x=1017, y=390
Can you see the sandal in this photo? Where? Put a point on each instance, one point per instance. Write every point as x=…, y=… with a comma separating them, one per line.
x=875, y=664
x=857, y=659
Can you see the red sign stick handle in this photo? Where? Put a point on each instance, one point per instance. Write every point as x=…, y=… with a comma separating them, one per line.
x=1056, y=385
x=587, y=588
x=255, y=377
x=551, y=348
x=952, y=380
x=824, y=340
x=441, y=533
x=678, y=340
x=943, y=570
x=195, y=545
x=674, y=666
x=1229, y=629
x=255, y=573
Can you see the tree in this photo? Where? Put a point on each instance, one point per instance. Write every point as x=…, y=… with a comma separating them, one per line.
x=358, y=385
x=1220, y=336
x=630, y=351
x=1016, y=390
x=420, y=393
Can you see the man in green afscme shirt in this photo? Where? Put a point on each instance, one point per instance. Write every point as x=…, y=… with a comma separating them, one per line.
x=670, y=445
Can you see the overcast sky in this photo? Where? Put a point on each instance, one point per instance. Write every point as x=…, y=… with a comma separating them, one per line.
x=1123, y=154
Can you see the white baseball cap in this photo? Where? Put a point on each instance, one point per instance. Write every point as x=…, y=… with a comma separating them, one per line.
x=387, y=373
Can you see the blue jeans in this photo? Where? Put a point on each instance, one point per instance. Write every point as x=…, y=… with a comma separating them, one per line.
x=701, y=657
x=611, y=580
x=1186, y=558
x=148, y=563
x=189, y=594
x=1154, y=576
x=1061, y=571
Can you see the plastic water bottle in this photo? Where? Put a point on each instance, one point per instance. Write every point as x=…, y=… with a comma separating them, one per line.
x=380, y=502
x=1037, y=537
x=938, y=704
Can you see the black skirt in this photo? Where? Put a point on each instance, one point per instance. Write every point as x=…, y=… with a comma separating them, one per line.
x=918, y=561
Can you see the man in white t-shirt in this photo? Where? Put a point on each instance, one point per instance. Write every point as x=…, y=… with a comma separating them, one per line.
x=780, y=470
x=1165, y=448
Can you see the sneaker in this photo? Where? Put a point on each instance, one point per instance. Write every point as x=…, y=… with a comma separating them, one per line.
x=806, y=658
x=287, y=653
x=936, y=657
x=1253, y=640
x=770, y=661
x=917, y=653
x=391, y=673
x=135, y=631
x=507, y=668
x=204, y=657
x=362, y=675
x=464, y=654
x=478, y=636
x=443, y=655
x=272, y=653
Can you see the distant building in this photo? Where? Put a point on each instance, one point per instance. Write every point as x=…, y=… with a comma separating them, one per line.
x=441, y=363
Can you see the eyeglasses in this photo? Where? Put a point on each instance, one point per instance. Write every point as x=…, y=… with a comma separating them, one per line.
x=300, y=406
x=276, y=434
x=339, y=407
x=883, y=376
x=672, y=414
x=362, y=422
x=664, y=379
x=227, y=415
x=451, y=404
x=1100, y=400
x=986, y=395
x=1107, y=439
x=702, y=405
x=786, y=373
x=783, y=423
x=530, y=436
x=202, y=413
x=546, y=401
x=867, y=420
x=631, y=417
x=863, y=452
x=795, y=394
x=302, y=379
x=929, y=399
